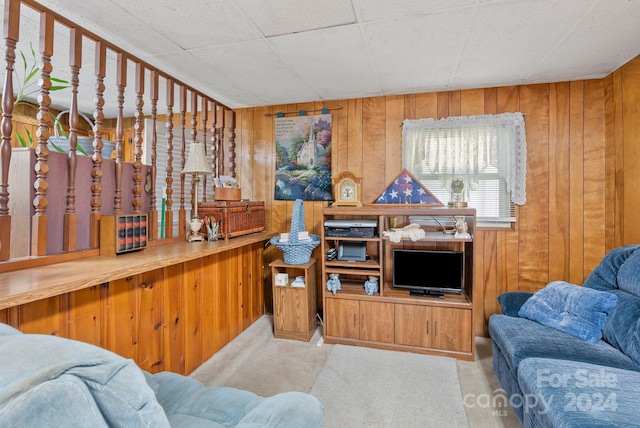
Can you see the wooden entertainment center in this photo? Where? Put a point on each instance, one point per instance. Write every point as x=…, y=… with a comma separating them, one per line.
x=391, y=318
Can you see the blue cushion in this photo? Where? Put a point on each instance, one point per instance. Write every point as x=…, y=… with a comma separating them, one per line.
x=511, y=302
x=629, y=275
x=575, y=310
x=573, y=394
x=605, y=275
x=520, y=338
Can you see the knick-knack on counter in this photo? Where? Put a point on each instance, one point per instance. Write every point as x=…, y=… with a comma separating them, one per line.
x=371, y=285
x=333, y=284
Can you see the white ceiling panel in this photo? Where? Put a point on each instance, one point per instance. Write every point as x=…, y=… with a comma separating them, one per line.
x=203, y=23
x=254, y=52
x=416, y=52
x=324, y=57
x=275, y=18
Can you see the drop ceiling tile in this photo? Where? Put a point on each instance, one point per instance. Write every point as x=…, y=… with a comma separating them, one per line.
x=275, y=18
x=591, y=49
x=515, y=36
x=253, y=68
x=415, y=53
x=203, y=23
x=333, y=61
x=375, y=10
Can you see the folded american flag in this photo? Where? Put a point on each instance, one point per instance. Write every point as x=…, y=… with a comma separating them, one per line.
x=407, y=189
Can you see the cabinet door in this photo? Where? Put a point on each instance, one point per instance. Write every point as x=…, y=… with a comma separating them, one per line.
x=452, y=329
x=342, y=318
x=376, y=321
x=290, y=312
x=413, y=325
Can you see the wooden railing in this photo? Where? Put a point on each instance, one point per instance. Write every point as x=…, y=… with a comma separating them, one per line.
x=215, y=121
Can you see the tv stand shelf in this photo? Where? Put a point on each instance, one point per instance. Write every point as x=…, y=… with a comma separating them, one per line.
x=391, y=318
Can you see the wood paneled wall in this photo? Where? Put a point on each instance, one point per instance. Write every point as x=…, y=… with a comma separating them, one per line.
x=582, y=183
x=171, y=318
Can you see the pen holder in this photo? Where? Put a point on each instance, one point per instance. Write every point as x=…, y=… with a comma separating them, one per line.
x=212, y=233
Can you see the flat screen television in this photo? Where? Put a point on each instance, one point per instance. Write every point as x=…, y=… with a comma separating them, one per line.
x=428, y=272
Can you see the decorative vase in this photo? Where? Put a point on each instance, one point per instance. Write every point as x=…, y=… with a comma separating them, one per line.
x=371, y=285
x=333, y=284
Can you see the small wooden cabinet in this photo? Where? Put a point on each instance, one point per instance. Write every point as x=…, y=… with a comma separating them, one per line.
x=294, y=308
x=441, y=328
x=392, y=318
x=361, y=320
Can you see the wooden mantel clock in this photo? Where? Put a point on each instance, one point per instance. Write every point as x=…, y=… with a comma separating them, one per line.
x=346, y=190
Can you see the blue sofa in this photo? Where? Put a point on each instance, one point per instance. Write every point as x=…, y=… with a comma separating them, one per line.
x=552, y=378
x=47, y=381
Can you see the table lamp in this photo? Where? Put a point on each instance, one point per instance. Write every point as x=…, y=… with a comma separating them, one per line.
x=196, y=164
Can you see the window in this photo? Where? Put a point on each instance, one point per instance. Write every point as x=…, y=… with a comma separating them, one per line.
x=487, y=154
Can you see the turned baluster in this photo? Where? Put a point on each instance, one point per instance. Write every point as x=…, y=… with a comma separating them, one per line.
x=194, y=136
x=230, y=118
x=205, y=113
x=96, y=170
x=121, y=83
x=168, y=217
x=137, y=150
x=11, y=34
x=152, y=229
x=41, y=168
x=214, y=140
x=220, y=139
x=182, y=215
x=70, y=234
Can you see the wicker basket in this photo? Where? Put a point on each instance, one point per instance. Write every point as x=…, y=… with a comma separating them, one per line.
x=295, y=251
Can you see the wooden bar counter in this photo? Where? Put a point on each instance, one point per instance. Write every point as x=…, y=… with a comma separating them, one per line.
x=167, y=307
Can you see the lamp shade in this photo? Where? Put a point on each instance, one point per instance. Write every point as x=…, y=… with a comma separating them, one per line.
x=197, y=160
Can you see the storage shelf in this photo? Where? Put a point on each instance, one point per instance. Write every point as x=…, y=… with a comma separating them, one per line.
x=384, y=319
x=367, y=264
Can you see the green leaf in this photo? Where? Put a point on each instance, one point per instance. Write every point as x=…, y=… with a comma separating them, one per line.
x=57, y=88
x=23, y=143
x=24, y=60
x=55, y=79
x=56, y=148
x=81, y=150
x=30, y=76
x=29, y=137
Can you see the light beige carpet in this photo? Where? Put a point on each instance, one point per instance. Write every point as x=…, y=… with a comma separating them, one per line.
x=258, y=362
x=365, y=387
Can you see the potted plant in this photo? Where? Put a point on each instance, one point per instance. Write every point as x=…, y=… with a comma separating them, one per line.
x=28, y=87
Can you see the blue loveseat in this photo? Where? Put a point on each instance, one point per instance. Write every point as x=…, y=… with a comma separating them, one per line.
x=552, y=378
x=47, y=381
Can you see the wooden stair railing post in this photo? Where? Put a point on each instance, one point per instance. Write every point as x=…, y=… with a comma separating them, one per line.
x=194, y=136
x=214, y=140
x=152, y=229
x=11, y=34
x=96, y=170
x=41, y=168
x=137, y=139
x=70, y=234
x=230, y=118
x=220, y=138
x=205, y=113
x=182, y=214
x=121, y=83
x=168, y=217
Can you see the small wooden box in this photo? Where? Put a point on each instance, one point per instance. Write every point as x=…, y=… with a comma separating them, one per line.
x=227, y=194
x=122, y=233
x=238, y=218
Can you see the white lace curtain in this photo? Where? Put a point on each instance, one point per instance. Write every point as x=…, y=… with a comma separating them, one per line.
x=468, y=145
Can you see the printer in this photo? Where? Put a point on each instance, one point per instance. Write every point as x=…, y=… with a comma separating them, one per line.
x=351, y=228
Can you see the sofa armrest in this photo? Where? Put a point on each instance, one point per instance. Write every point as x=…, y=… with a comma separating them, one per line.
x=511, y=302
